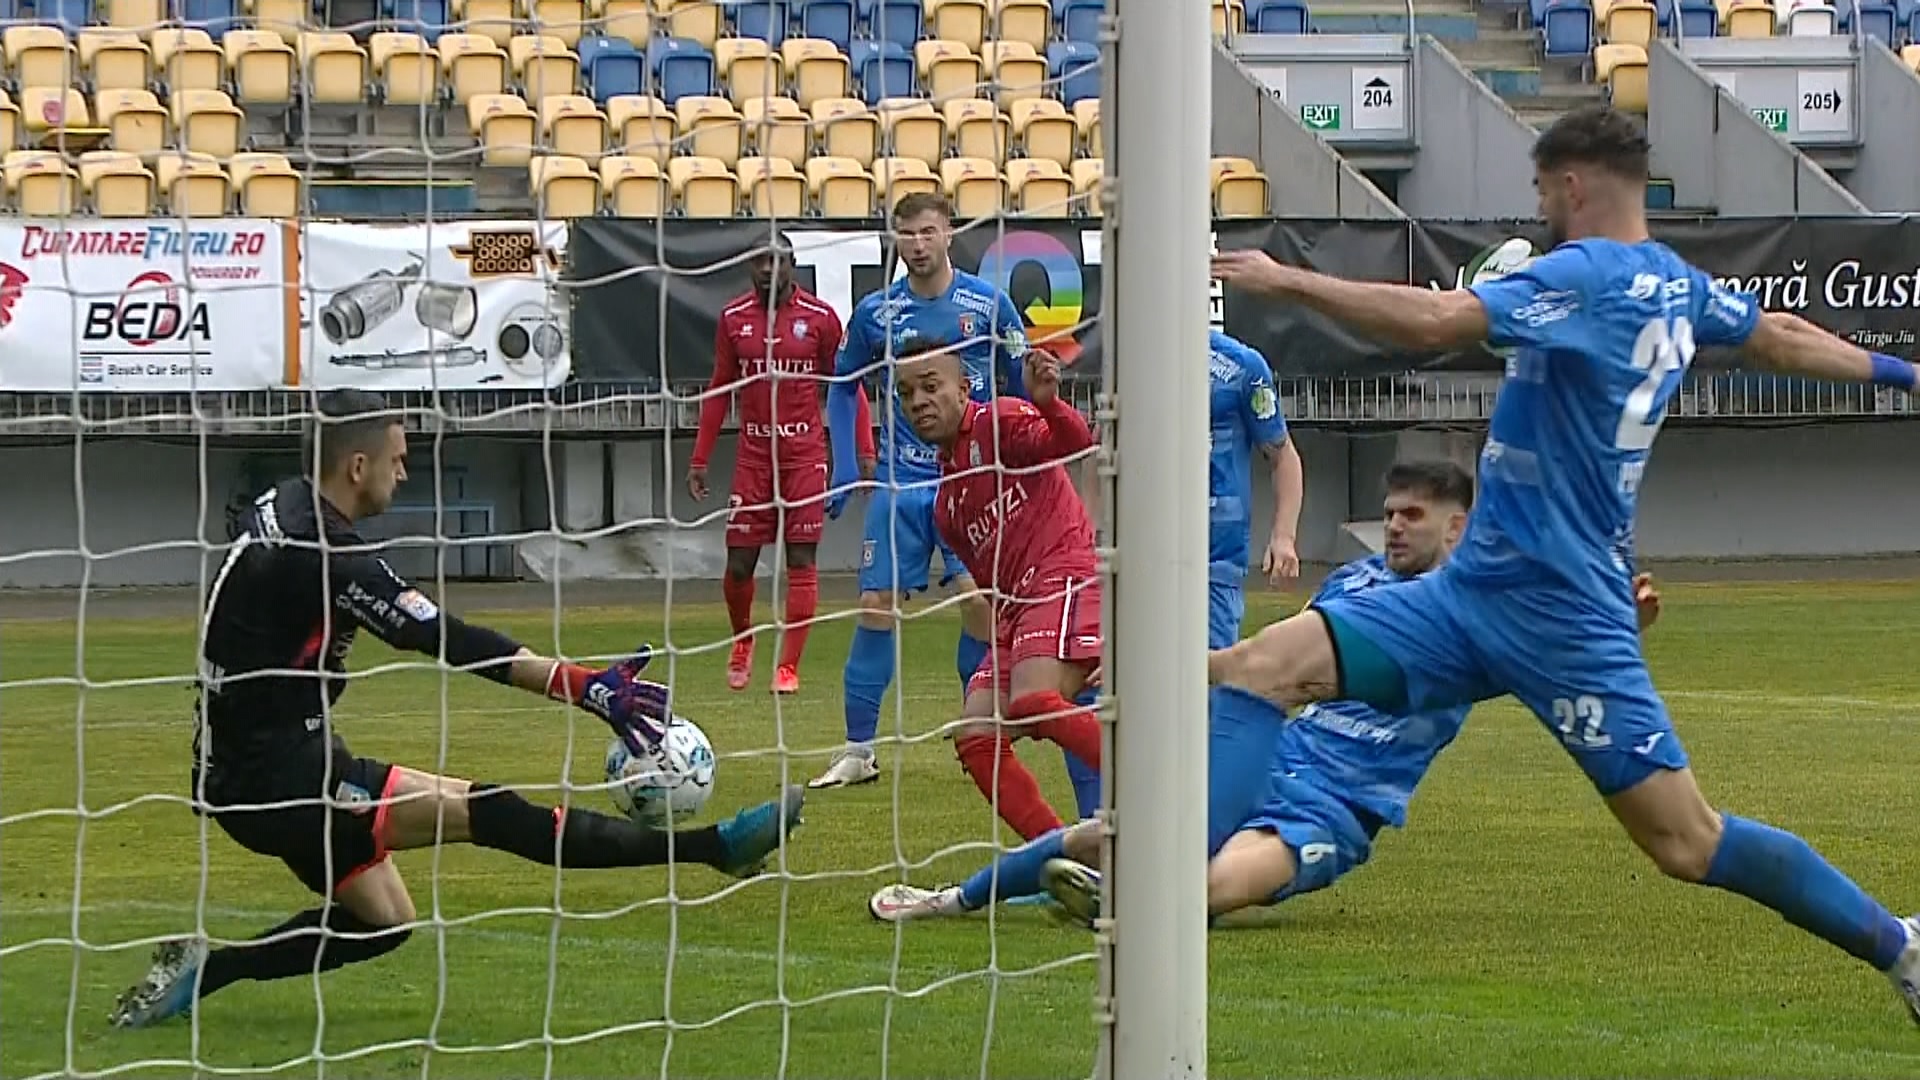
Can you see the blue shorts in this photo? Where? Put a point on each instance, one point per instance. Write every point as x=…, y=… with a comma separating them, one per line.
x=900, y=536
x=1226, y=610
x=1328, y=837
x=1570, y=658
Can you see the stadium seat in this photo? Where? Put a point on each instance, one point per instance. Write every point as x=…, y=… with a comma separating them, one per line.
x=38, y=56
x=473, y=65
x=634, y=187
x=505, y=126
x=41, y=183
x=262, y=66
x=711, y=127
x=562, y=19
x=963, y=22
x=206, y=122
x=286, y=18
x=267, y=185
x=642, y=126
x=142, y=17
x=53, y=108
x=839, y=187
x=1087, y=174
x=490, y=19
x=1017, y=71
x=1040, y=188
x=215, y=17
x=1279, y=17
x=704, y=187
x=1027, y=21
x=1045, y=130
x=896, y=178
x=543, y=65
x=1698, y=18
x=9, y=123
x=899, y=22
x=612, y=67
x=335, y=67
x=1910, y=56
x=749, y=68
x=1811, y=20
x=1875, y=20
x=948, y=69
x=187, y=59
x=1239, y=188
x=979, y=129
x=69, y=16
x=1627, y=22
x=772, y=187
x=975, y=185
x=404, y=67
x=1750, y=20
x=628, y=20
x=829, y=20
x=681, y=68
x=1566, y=29
x=1075, y=68
x=1086, y=117
x=777, y=127
x=1622, y=69
x=1229, y=16
x=848, y=129
x=115, y=60
x=117, y=184
x=134, y=120
x=817, y=68
x=192, y=185
x=883, y=69
x=913, y=129
x=563, y=187
x=765, y=20
x=699, y=21
x=572, y=125
x=425, y=19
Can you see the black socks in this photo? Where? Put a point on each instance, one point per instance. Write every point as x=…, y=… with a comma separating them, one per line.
x=500, y=819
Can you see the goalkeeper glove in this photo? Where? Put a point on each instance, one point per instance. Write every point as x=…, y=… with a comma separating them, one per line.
x=636, y=709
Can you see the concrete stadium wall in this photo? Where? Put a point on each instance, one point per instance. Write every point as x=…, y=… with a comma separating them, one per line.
x=1830, y=490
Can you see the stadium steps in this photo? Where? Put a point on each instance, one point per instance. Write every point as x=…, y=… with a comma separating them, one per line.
x=1501, y=57
x=1446, y=20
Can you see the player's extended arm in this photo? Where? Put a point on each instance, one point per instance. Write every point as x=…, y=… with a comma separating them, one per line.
x=1289, y=480
x=1791, y=345
x=713, y=410
x=1426, y=319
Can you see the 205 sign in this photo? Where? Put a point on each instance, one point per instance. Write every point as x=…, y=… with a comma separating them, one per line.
x=1820, y=101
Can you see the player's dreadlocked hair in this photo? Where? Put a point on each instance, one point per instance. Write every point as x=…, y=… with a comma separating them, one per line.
x=346, y=422
x=1436, y=481
x=1596, y=135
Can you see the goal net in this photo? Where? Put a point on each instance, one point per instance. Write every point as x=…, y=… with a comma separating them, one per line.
x=523, y=224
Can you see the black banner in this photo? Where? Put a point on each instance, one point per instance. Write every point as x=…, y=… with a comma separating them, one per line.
x=1859, y=277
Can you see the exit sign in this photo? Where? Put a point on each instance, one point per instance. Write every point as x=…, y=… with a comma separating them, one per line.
x=1321, y=117
x=1774, y=119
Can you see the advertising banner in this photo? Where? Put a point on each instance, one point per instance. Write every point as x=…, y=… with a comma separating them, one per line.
x=143, y=306
x=447, y=306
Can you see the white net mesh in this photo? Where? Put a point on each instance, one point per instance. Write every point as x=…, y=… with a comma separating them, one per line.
x=169, y=317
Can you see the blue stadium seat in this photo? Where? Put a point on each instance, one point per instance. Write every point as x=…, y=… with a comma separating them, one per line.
x=899, y=21
x=1663, y=15
x=70, y=15
x=1877, y=20
x=1074, y=67
x=831, y=20
x=883, y=69
x=9, y=11
x=216, y=17
x=612, y=67
x=1568, y=29
x=1080, y=19
x=1699, y=18
x=1536, y=13
x=1277, y=17
x=763, y=19
x=428, y=18
x=680, y=67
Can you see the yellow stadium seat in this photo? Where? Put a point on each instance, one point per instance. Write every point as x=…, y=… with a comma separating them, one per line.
x=473, y=64
x=1622, y=69
x=116, y=59
x=286, y=19
x=748, y=68
x=975, y=185
x=1910, y=55
x=699, y=20
x=490, y=19
x=572, y=125
x=896, y=178
x=53, y=108
x=711, y=128
x=1229, y=16
x=629, y=19
x=1028, y=22
x=948, y=69
x=563, y=187
x=634, y=187
x=773, y=187
x=9, y=123
x=848, y=129
x=913, y=129
x=264, y=67
x=117, y=184
x=335, y=67
x=1045, y=130
x=564, y=19
x=839, y=187
x=206, y=122
x=1629, y=22
x=1086, y=117
x=1239, y=188
x=192, y=185
x=962, y=21
x=1750, y=20
x=642, y=126
x=979, y=129
x=143, y=17
x=818, y=69
x=39, y=56
x=1017, y=71
x=777, y=127
x=134, y=120
x=1039, y=187
x=1087, y=174
x=266, y=184
x=405, y=68
x=704, y=187
x=188, y=60
x=505, y=127
x=42, y=184
x=543, y=65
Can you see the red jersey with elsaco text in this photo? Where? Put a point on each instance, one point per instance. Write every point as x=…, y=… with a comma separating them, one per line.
x=779, y=363
x=1006, y=504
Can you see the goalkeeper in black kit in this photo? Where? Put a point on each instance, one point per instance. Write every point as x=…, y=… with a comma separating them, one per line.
x=281, y=616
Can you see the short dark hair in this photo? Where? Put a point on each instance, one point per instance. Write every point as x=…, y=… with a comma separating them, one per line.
x=918, y=347
x=1597, y=135
x=345, y=423
x=1439, y=481
x=915, y=203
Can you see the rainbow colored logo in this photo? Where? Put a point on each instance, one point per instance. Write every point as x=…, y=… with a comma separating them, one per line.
x=1052, y=317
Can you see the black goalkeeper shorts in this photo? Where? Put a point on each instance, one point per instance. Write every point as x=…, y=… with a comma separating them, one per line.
x=333, y=824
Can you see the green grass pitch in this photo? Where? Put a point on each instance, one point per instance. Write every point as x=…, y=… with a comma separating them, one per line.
x=1509, y=931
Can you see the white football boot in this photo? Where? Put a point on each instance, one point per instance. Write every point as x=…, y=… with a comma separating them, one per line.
x=1075, y=887
x=854, y=765
x=905, y=903
x=1905, y=972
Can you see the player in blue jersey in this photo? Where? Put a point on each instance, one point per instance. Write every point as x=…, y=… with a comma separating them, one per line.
x=1537, y=602
x=932, y=302
x=1244, y=419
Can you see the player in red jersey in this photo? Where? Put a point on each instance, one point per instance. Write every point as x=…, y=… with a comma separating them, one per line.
x=1008, y=507
x=776, y=346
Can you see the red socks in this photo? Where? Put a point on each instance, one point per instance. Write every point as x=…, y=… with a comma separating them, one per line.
x=803, y=599
x=1070, y=727
x=1012, y=789
x=739, y=595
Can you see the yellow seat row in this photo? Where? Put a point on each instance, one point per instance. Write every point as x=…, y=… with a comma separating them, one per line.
x=108, y=183
x=204, y=122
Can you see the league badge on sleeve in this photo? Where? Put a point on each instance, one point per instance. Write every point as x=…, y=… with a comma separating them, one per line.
x=415, y=603
x=1265, y=401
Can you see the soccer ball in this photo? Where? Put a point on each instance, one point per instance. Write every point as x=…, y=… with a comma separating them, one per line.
x=670, y=783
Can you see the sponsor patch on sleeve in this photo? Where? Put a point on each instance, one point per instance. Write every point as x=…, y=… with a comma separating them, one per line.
x=415, y=603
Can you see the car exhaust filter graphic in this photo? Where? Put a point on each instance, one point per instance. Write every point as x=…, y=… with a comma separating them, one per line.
x=355, y=310
x=449, y=309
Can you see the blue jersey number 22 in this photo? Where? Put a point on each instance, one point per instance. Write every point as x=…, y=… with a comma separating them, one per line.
x=1660, y=352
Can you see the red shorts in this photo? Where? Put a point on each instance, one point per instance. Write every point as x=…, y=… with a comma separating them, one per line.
x=760, y=508
x=1059, y=620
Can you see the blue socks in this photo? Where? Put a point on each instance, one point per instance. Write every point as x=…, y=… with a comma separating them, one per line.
x=1241, y=732
x=1779, y=870
x=968, y=655
x=1019, y=872
x=869, y=670
x=1085, y=778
